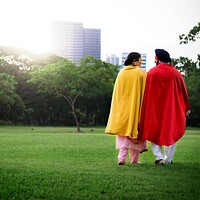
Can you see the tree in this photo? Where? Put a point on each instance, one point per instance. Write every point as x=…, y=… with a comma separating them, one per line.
x=185, y=65
x=18, y=62
x=193, y=35
x=99, y=79
x=87, y=89
x=61, y=78
x=7, y=89
x=191, y=72
x=10, y=103
x=193, y=86
x=17, y=110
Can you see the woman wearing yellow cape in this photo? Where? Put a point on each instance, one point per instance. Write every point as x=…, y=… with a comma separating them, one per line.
x=126, y=107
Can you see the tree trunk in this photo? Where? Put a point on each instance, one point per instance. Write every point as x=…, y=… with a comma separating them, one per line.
x=76, y=120
x=71, y=103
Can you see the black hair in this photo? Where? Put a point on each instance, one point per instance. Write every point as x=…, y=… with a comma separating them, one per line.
x=133, y=56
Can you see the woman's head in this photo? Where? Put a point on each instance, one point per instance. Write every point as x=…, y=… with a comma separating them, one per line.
x=132, y=59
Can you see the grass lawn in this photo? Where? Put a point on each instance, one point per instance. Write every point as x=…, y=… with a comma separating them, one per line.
x=58, y=163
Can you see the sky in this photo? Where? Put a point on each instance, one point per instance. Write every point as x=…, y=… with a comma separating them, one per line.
x=126, y=25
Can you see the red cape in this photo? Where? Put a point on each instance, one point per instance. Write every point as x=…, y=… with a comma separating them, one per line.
x=165, y=102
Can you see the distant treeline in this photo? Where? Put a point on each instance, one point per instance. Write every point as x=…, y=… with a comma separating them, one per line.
x=44, y=89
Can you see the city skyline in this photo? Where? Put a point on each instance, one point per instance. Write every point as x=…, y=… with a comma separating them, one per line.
x=126, y=26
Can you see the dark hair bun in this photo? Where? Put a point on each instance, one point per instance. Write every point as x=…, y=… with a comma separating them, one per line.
x=133, y=56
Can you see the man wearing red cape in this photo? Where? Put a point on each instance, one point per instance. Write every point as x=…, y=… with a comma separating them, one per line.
x=165, y=107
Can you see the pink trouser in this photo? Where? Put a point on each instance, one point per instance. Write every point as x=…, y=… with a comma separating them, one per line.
x=134, y=155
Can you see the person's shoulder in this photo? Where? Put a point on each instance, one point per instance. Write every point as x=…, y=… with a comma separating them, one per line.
x=178, y=73
x=153, y=70
x=142, y=71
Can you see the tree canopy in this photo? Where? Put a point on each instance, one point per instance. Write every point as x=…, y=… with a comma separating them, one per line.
x=191, y=71
x=92, y=79
x=193, y=35
x=44, y=89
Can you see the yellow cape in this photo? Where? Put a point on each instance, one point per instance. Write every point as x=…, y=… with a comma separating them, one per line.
x=126, y=102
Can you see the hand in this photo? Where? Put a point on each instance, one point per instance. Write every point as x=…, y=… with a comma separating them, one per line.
x=135, y=141
x=188, y=112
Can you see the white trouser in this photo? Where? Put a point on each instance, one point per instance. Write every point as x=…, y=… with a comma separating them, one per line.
x=168, y=152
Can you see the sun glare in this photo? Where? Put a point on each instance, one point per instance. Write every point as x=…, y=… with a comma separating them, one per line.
x=23, y=28
x=33, y=37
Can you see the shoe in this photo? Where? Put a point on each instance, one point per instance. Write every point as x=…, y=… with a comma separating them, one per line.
x=160, y=162
x=144, y=150
x=169, y=162
x=138, y=162
x=121, y=162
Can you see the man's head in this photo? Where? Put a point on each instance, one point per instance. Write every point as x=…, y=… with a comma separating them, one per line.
x=162, y=56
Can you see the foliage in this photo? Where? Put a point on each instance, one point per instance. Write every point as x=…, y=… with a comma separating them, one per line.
x=11, y=104
x=90, y=82
x=55, y=163
x=87, y=88
x=15, y=60
x=185, y=65
x=7, y=89
x=18, y=63
x=193, y=85
x=191, y=72
x=14, y=63
x=57, y=78
x=193, y=35
x=60, y=79
x=99, y=78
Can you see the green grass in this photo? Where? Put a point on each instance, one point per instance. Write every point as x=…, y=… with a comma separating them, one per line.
x=58, y=163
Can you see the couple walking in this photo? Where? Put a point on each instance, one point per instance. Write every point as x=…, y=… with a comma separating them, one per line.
x=148, y=107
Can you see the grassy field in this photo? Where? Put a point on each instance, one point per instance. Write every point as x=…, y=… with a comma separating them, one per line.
x=58, y=163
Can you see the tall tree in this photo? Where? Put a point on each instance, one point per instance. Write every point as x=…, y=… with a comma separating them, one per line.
x=61, y=78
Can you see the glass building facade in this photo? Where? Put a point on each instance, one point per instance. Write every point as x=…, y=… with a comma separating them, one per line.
x=92, y=43
x=113, y=59
x=72, y=41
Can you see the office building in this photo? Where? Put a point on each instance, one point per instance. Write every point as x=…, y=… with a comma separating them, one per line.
x=113, y=59
x=92, y=43
x=144, y=61
x=124, y=56
x=72, y=41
